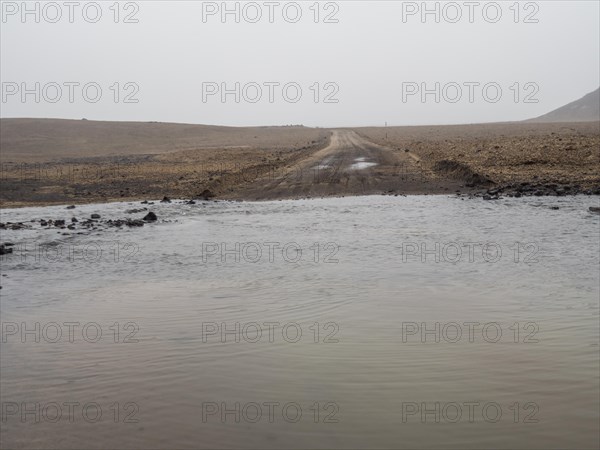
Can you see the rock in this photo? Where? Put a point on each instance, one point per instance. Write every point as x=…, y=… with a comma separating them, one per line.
x=150, y=217
x=59, y=223
x=594, y=210
x=95, y=216
x=71, y=207
x=74, y=220
x=166, y=200
x=17, y=226
x=4, y=250
x=190, y=202
x=555, y=208
x=206, y=194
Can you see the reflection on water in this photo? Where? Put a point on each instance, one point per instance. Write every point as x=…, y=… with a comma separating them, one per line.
x=389, y=322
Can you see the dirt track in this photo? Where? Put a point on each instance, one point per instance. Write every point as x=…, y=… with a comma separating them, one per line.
x=348, y=165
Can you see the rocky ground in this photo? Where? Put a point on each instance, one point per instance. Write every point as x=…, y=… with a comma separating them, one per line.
x=511, y=159
x=491, y=160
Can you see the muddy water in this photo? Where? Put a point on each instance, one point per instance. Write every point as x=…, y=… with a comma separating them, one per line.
x=388, y=322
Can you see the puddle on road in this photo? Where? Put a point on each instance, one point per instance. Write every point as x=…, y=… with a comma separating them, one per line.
x=361, y=163
x=322, y=167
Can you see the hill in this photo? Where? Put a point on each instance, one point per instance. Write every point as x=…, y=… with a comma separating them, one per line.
x=586, y=109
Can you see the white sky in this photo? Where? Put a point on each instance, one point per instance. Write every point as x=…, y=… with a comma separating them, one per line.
x=368, y=54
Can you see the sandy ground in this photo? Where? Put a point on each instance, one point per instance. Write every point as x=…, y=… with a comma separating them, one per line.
x=74, y=162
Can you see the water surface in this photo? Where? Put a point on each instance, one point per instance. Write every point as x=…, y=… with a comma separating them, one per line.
x=358, y=278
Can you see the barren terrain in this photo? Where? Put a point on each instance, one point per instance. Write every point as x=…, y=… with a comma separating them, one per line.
x=47, y=161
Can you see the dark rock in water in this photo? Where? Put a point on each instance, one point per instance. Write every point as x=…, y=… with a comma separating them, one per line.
x=134, y=211
x=128, y=222
x=206, y=194
x=8, y=244
x=71, y=227
x=166, y=200
x=594, y=209
x=190, y=202
x=145, y=202
x=71, y=207
x=74, y=220
x=150, y=217
x=490, y=197
x=4, y=250
x=16, y=226
x=43, y=223
x=555, y=208
x=95, y=216
x=59, y=223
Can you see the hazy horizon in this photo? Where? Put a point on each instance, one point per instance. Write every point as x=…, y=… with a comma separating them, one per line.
x=361, y=61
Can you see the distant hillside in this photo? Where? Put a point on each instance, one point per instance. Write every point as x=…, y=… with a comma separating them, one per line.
x=586, y=109
x=47, y=139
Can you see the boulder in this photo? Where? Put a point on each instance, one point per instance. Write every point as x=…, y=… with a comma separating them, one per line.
x=206, y=194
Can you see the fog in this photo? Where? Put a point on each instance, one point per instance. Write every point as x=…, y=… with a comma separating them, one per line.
x=327, y=64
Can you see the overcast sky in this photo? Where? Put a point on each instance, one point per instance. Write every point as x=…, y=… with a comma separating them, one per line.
x=362, y=63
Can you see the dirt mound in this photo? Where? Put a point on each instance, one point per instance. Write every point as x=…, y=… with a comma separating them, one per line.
x=461, y=171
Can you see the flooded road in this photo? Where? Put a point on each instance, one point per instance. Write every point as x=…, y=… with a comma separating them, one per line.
x=362, y=322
